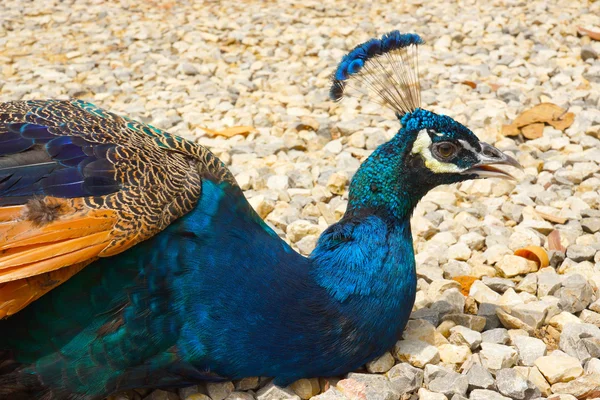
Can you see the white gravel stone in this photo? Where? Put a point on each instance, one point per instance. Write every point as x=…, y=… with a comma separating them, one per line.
x=405, y=378
x=459, y=251
x=416, y=352
x=425, y=394
x=453, y=354
x=219, y=390
x=496, y=356
x=272, y=392
x=483, y=294
x=581, y=341
x=559, y=368
x=480, y=378
x=449, y=383
x=514, y=385
x=381, y=364
x=461, y=335
x=511, y=266
x=530, y=349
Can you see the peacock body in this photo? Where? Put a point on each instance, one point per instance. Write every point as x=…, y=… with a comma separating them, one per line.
x=145, y=266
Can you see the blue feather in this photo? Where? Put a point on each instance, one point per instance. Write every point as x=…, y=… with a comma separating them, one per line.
x=38, y=133
x=375, y=47
x=391, y=80
x=66, y=182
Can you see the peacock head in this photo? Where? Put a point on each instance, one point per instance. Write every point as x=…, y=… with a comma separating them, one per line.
x=428, y=150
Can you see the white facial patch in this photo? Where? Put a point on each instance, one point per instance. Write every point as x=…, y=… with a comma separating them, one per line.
x=422, y=146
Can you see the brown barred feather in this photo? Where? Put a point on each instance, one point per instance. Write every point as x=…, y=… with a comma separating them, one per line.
x=47, y=240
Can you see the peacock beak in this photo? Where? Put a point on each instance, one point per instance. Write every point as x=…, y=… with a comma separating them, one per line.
x=490, y=157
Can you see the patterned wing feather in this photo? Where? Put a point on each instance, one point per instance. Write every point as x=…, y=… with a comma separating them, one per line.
x=77, y=183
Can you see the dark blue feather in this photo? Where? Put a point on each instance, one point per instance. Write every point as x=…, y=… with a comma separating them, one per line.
x=100, y=168
x=66, y=182
x=38, y=133
x=74, y=161
x=100, y=186
x=16, y=180
x=14, y=146
x=375, y=47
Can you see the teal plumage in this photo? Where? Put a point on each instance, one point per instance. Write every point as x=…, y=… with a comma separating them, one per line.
x=211, y=292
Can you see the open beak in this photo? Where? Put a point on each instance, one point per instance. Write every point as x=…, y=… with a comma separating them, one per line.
x=490, y=157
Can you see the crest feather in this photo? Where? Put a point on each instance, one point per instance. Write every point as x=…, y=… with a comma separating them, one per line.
x=386, y=70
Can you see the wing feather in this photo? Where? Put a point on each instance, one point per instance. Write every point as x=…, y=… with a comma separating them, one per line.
x=77, y=183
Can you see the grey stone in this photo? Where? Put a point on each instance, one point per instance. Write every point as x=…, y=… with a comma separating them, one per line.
x=482, y=394
x=188, y=69
x=434, y=371
x=499, y=285
x=556, y=258
x=463, y=335
x=381, y=364
x=449, y=302
x=249, y=383
x=581, y=341
x=548, y=282
x=512, y=384
x=533, y=314
x=405, y=378
x=488, y=311
x=273, y=392
x=474, y=240
x=377, y=387
x=330, y=394
x=530, y=349
x=480, y=378
x=497, y=356
x=590, y=317
x=416, y=352
x=588, y=52
x=450, y=383
x=219, y=390
x=429, y=315
x=590, y=225
x=579, y=253
x=528, y=284
x=575, y=294
x=498, y=336
x=473, y=322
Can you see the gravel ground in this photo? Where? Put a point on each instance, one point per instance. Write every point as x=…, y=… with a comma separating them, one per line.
x=517, y=332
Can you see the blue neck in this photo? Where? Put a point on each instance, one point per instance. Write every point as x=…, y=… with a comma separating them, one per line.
x=366, y=254
x=385, y=183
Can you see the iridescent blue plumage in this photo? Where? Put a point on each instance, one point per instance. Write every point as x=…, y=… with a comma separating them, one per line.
x=217, y=294
x=353, y=62
x=383, y=69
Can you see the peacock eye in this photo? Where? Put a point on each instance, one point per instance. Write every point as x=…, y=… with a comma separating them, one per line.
x=445, y=150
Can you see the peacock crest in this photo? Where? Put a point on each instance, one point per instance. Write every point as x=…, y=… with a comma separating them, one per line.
x=384, y=70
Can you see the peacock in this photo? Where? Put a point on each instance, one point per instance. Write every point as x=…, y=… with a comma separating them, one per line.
x=142, y=264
